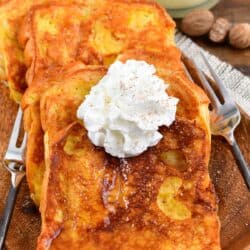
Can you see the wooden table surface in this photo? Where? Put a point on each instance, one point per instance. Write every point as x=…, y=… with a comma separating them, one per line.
x=235, y=11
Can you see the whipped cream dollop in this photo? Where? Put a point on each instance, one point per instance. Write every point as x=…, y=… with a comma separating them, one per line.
x=124, y=111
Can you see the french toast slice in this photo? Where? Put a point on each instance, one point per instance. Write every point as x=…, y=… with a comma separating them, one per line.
x=12, y=66
x=12, y=59
x=34, y=158
x=162, y=199
x=55, y=35
x=92, y=33
x=35, y=165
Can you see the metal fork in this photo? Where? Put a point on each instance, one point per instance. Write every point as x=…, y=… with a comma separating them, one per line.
x=13, y=161
x=225, y=116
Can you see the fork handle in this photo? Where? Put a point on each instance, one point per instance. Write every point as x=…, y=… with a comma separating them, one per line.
x=243, y=166
x=8, y=210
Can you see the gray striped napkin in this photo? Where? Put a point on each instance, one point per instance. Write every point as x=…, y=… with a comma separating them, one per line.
x=237, y=83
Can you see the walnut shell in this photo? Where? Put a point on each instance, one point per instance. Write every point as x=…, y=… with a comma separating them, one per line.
x=219, y=30
x=197, y=22
x=239, y=36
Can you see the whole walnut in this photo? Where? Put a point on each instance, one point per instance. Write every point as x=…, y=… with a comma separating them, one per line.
x=239, y=35
x=197, y=22
x=219, y=30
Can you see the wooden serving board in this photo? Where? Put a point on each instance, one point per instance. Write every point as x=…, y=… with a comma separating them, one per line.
x=233, y=197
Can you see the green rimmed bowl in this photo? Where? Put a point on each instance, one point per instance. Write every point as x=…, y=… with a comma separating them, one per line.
x=179, y=12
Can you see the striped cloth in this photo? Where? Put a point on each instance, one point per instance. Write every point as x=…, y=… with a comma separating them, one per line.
x=237, y=83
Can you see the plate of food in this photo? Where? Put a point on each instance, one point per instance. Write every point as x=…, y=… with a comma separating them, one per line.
x=117, y=137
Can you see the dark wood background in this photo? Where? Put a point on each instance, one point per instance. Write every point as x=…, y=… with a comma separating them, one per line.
x=233, y=197
x=234, y=201
x=236, y=11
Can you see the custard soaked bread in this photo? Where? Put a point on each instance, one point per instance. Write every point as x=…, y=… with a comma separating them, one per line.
x=12, y=66
x=93, y=34
x=35, y=165
x=162, y=199
x=59, y=35
x=12, y=58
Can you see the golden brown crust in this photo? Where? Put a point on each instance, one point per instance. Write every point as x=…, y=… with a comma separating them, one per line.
x=104, y=31
x=13, y=64
x=11, y=14
x=113, y=16
x=35, y=165
x=34, y=156
x=92, y=199
x=161, y=199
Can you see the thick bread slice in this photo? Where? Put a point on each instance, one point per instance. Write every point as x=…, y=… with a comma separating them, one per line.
x=12, y=66
x=56, y=35
x=12, y=59
x=35, y=165
x=162, y=199
x=92, y=33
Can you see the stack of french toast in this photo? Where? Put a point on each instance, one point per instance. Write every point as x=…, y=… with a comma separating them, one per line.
x=51, y=54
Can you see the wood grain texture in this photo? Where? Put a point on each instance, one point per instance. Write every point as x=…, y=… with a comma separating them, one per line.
x=233, y=197
x=234, y=202
x=235, y=11
x=24, y=227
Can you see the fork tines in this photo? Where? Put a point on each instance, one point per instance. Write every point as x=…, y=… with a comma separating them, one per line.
x=14, y=152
